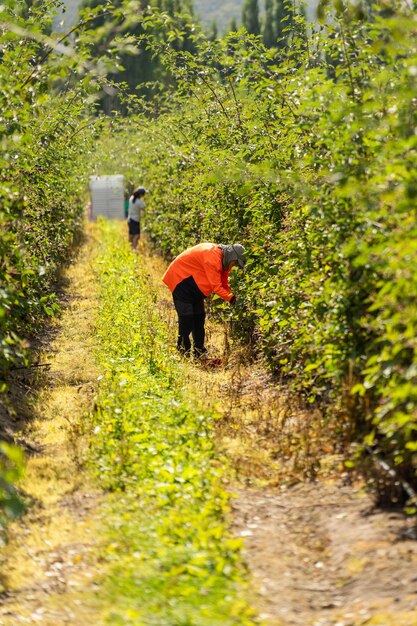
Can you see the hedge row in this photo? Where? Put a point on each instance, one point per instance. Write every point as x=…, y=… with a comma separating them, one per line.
x=45, y=142
x=46, y=139
x=308, y=158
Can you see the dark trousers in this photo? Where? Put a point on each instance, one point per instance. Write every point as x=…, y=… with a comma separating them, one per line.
x=191, y=317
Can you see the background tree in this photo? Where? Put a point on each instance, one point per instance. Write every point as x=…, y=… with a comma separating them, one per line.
x=268, y=32
x=250, y=17
x=232, y=26
x=213, y=31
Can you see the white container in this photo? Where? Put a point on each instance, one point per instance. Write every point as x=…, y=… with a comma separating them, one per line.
x=107, y=196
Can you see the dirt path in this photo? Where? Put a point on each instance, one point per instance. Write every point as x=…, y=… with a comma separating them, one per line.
x=52, y=558
x=319, y=555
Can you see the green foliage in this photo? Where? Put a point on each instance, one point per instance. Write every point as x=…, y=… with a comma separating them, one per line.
x=172, y=559
x=308, y=157
x=282, y=19
x=45, y=136
x=11, y=469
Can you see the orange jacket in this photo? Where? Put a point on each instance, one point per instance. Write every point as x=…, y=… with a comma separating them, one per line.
x=204, y=263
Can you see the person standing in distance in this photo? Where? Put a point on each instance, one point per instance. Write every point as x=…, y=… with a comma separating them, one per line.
x=194, y=275
x=136, y=205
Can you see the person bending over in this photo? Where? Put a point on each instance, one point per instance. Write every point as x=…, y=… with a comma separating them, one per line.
x=191, y=277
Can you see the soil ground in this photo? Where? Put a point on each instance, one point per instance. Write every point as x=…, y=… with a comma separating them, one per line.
x=321, y=555
x=318, y=552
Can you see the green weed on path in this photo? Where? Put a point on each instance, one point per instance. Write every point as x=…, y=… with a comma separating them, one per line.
x=172, y=559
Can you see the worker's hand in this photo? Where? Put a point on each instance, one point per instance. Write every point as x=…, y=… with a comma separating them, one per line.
x=233, y=300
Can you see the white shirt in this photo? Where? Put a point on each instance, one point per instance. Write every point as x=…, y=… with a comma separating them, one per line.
x=135, y=207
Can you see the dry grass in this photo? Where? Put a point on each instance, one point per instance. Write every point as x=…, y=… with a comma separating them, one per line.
x=268, y=434
x=50, y=549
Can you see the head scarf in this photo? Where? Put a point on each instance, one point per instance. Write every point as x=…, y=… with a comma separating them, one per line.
x=233, y=252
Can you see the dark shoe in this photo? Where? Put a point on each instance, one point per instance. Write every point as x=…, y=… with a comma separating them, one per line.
x=199, y=352
x=183, y=352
